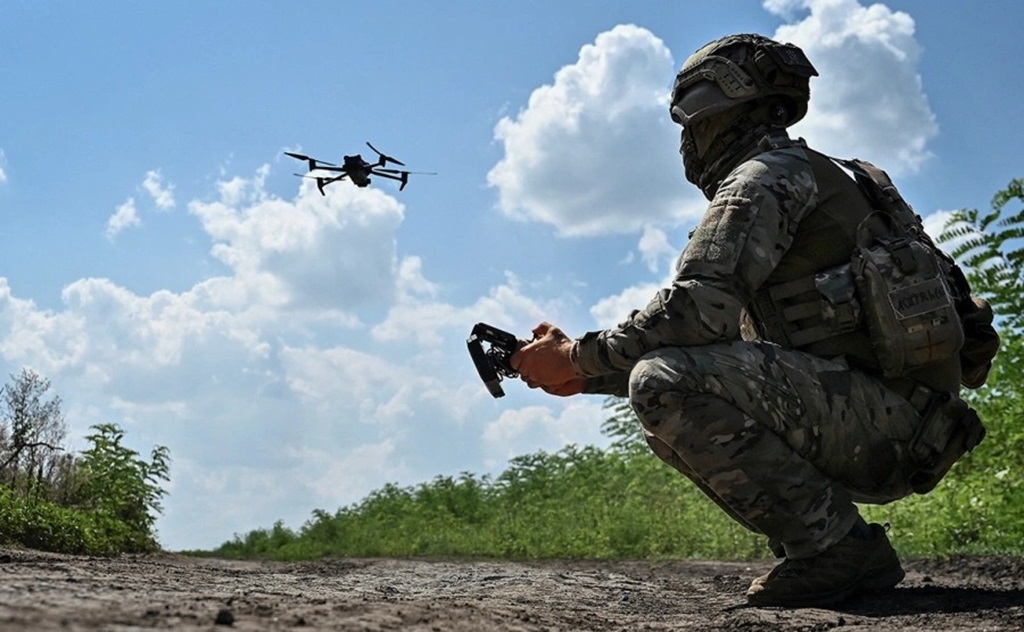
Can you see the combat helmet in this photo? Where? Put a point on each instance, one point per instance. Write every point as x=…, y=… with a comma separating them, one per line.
x=737, y=69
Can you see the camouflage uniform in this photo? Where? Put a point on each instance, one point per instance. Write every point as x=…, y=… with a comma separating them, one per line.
x=785, y=441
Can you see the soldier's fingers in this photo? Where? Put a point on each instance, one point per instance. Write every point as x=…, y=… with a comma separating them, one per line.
x=520, y=357
x=516, y=359
x=541, y=329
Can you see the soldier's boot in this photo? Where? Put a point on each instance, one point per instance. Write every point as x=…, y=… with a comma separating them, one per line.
x=852, y=566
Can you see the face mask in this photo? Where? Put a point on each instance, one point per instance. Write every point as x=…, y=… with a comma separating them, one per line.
x=697, y=139
x=693, y=166
x=711, y=147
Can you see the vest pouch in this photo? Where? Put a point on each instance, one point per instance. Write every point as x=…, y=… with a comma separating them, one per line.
x=840, y=310
x=949, y=429
x=908, y=307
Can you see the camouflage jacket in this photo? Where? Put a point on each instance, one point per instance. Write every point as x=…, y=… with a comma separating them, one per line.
x=746, y=231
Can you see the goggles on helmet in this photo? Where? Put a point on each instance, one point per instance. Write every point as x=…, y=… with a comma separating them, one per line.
x=712, y=85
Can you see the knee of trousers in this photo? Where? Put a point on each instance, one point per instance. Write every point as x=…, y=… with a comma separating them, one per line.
x=655, y=385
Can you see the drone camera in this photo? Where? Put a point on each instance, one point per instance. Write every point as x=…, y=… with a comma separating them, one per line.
x=493, y=361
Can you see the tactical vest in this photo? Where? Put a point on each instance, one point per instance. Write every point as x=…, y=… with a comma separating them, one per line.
x=862, y=280
x=885, y=297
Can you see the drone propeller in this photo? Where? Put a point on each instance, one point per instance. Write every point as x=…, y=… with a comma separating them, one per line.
x=422, y=173
x=331, y=178
x=384, y=158
x=400, y=174
x=312, y=161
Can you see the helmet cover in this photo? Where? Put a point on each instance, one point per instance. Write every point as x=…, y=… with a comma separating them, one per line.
x=740, y=68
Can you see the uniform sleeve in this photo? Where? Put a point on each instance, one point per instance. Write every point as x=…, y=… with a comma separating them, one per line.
x=616, y=384
x=742, y=236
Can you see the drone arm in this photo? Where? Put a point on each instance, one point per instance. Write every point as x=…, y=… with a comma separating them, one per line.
x=385, y=174
x=321, y=182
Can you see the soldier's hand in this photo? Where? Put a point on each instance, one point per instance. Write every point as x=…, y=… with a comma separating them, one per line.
x=544, y=362
x=574, y=386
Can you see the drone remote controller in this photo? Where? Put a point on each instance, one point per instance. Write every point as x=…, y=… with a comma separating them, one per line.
x=492, y=362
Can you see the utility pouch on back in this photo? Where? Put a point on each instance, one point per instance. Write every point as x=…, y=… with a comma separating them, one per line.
x=909, y=308
x=949, y=429
x=912, y=298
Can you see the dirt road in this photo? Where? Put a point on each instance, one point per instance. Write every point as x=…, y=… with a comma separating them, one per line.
x=41, y=591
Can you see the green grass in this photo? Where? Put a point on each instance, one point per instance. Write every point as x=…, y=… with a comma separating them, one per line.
x=588, y=503
x=623, y=502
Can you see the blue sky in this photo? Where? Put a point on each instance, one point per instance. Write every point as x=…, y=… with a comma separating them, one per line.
x=163, y=267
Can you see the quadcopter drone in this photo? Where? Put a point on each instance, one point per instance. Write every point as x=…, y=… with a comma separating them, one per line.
x=356, y=169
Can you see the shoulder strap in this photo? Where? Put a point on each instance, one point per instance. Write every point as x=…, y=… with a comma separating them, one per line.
x=878, y=185
x=883, y=194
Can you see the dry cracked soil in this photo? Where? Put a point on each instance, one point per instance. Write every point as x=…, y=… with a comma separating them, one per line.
x=43, y=591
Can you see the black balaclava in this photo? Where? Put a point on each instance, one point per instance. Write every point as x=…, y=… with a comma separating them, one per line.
x=711, y=148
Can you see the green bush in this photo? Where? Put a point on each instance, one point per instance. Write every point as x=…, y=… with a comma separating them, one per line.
x=123, y=490
x=44, y=526
x=114, y=513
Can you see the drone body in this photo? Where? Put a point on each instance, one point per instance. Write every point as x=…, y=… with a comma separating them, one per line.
x=356, y=169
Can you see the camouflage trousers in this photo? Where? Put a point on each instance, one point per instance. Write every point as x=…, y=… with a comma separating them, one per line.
x=783, y=441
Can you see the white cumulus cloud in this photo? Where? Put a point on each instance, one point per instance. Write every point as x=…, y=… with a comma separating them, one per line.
x=335, y=252
x=612, y=310
x=532, y=428
x=428, y=320
x=869, y=101
x=595, y=152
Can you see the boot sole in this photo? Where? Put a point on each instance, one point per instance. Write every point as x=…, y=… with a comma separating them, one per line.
x=868, y=583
